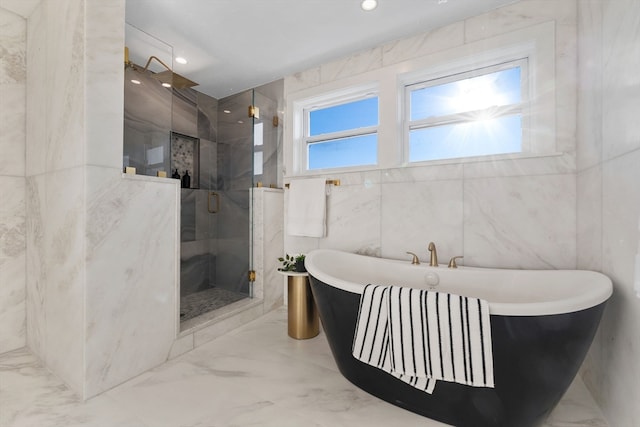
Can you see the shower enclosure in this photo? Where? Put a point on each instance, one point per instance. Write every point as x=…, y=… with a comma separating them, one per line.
x=225, y=148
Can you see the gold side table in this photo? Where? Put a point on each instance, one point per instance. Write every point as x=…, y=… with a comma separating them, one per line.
x=303, y=321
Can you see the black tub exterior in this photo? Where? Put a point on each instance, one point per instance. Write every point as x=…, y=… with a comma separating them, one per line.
x=535, y=360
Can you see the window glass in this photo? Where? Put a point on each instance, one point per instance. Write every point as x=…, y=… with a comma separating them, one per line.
x=477, y=113
x=469, y=94
x=341, y=133
x=337, y=118
x=501, y=135
x=355, y=151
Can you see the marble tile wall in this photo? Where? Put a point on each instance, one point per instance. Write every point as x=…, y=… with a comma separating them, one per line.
x=268, y=245
x=12, y=263
x=509, y=213
x=184, y=111
x=132, y=270
x=104, y=35
x=208, y=162
x=65, y=84
x=608, y=197
x=13, y=79
x=93, y=286
x=207, y=117
x=55, y=197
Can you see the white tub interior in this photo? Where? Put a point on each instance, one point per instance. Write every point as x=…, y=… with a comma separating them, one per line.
x=509, y=292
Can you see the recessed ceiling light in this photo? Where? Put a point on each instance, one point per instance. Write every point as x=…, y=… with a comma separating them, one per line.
x=135, y=82
x=181, y=60
x=166, y=84
x=368, y=5
x=226, y=111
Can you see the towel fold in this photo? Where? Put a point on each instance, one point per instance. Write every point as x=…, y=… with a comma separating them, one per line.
x=422, y=336
x=307, y=210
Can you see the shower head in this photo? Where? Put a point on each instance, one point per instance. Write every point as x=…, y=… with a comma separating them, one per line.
x=174, y=79
x=169, y=77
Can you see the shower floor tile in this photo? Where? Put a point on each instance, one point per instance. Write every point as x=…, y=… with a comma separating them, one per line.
x=252, y=376
x=202, y=302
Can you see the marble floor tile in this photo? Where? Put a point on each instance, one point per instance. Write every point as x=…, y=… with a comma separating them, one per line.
x=253, y=376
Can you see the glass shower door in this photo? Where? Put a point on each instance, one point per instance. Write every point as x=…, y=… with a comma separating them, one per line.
x=234, y=180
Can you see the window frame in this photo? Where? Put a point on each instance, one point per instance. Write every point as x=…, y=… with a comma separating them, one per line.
x=418, y=82
x=303, y=138
x=541, y=137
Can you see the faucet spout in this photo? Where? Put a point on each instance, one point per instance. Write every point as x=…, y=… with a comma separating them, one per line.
x=433, y=260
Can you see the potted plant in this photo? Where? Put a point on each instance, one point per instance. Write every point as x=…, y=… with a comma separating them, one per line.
x=293, y=263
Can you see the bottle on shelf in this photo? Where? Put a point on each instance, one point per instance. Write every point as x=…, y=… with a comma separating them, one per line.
x=186, y=180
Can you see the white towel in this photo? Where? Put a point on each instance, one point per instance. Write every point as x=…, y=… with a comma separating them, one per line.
x=421, y=336
x=307, y=209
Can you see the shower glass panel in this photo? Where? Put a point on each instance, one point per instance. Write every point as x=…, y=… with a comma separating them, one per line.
x=216, y=216
x=180, y=131
x=266, y=134
x=147, y=106
x=235, y=178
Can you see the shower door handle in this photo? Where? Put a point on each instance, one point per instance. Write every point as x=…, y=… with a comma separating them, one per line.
x=213, y=194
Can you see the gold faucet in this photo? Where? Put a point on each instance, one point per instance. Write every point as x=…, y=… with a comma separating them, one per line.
x=433, y=261
x=452, y=261
x=414, y=259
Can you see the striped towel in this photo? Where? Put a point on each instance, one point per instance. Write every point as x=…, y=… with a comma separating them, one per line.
x=422, y=336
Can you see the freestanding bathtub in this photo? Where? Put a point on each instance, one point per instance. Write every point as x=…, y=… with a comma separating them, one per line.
x=542, y=324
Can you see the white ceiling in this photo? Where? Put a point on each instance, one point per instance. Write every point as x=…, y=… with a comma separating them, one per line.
x=233, y=45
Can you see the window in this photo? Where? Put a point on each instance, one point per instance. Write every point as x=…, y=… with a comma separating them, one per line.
x=341, y=132
x=489, y=100
x=475, y=113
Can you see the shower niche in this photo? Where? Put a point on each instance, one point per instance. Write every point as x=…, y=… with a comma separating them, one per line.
x=185, y=159
x=175, y=130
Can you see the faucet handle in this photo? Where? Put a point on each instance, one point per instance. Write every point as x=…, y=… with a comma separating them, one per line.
x=415, y=259
x=452, y=261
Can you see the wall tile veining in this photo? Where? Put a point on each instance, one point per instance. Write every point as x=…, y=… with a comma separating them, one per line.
x=608, y=197
x=13, y=78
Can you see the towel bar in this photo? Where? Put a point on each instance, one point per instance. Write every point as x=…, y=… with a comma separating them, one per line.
x=335, y=182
